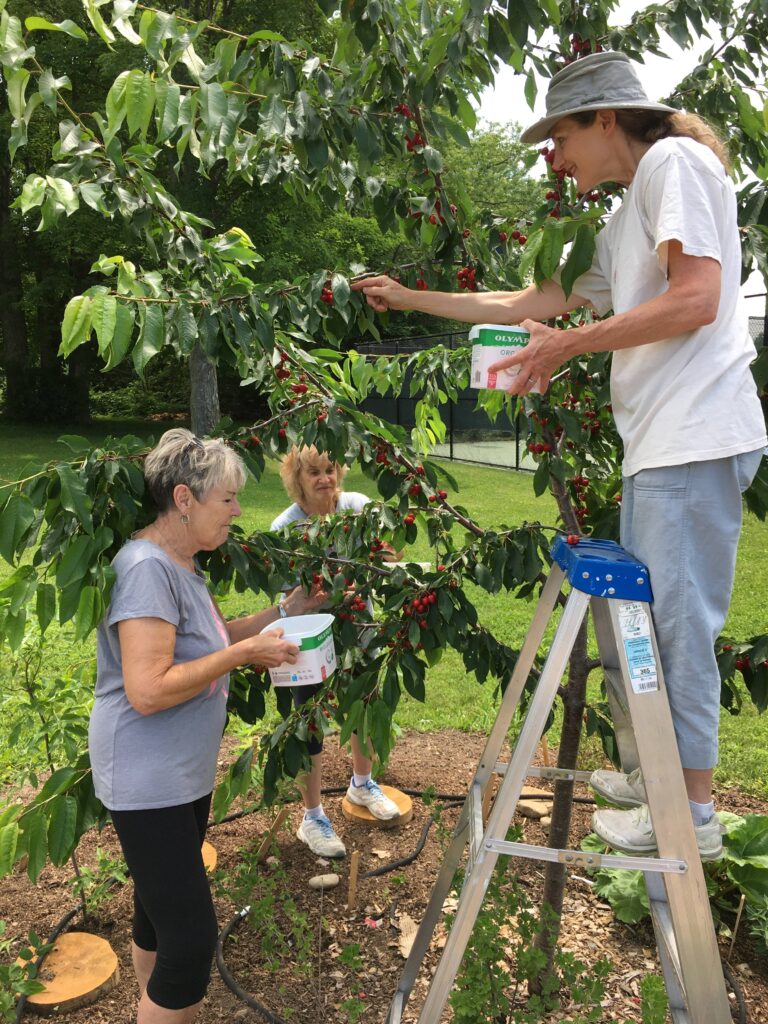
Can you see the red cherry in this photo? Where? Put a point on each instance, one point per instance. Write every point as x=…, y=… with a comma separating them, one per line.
x=414, y=489
x=422, y=623
x=502, y=236
x=281, y=433
x=442, y=494
x=409, y=519
x=572, y=538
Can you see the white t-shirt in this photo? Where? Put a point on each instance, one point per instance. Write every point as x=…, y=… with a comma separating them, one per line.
x=349, y=501
x=691, y=397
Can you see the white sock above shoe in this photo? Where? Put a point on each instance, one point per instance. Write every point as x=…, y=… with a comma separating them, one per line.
x=313, y=812
x=701, y=812
x=360, y=780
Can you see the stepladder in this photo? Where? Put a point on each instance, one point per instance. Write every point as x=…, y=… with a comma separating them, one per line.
x=606, y=582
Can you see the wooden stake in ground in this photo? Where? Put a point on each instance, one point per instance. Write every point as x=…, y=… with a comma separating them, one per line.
x=354, y=867
x=266, y=843
x=79, y=969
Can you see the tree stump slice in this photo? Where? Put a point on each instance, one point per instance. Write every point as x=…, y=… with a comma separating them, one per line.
x=209, y=856
x=79, y=969
x=362, y=816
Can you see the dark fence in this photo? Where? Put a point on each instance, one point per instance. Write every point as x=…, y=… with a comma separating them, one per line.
x=472, y=437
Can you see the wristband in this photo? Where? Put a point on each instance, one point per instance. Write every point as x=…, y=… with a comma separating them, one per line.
x=282, y=609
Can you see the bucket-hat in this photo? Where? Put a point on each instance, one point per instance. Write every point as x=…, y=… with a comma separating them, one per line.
x=601, y=81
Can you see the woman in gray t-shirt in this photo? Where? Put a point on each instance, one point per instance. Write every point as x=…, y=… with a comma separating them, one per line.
x=164, y=654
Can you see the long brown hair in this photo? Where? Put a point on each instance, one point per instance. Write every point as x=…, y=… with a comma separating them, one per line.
x=652, y=125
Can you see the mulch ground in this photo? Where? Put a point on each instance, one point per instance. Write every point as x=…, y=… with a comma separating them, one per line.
x=297, y=963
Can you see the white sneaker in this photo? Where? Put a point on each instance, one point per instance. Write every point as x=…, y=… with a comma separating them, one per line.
x=370, y=796
x=319, y=836
x=620, y=789
x=632, y=832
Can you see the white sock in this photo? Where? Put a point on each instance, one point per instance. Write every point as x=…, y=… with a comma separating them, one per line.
x=701, y=812
x=360, y=780
x=313, y=812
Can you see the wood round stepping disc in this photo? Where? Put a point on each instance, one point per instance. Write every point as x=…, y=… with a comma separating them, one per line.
x=363, y=816
x=209, y=856
x=79, y=969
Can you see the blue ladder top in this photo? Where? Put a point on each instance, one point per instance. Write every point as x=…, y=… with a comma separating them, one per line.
x=602, y=568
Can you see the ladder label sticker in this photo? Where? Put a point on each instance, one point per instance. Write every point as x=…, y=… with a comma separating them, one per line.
x=635, y=627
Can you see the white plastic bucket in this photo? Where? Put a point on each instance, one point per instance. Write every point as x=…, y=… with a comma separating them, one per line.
x=491, y=342
x=317, y=658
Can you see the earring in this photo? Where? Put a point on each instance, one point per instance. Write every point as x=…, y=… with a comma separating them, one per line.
x=184, y=517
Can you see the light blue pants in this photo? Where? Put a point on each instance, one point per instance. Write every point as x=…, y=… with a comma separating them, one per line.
x=684, y=523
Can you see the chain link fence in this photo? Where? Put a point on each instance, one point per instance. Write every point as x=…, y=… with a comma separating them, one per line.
x=471, y=436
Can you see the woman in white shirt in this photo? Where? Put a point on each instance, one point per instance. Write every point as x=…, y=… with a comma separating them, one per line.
x=668, y=265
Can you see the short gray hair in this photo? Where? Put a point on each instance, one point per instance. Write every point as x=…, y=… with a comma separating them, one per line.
x=181, y=458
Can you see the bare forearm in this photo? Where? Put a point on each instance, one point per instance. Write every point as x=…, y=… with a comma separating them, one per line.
x=183, y=681
x=250, y=625
x=531, y=303
x=659, y=319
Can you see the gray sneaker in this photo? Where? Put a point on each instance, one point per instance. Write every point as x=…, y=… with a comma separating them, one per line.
x=618, y=788
x=319, y=836
x=632, y=832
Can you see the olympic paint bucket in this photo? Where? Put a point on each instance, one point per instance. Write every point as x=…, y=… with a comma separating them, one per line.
x=490, y=343
x=317, y=658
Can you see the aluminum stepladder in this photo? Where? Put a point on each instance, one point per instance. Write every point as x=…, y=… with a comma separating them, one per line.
x=606, y=579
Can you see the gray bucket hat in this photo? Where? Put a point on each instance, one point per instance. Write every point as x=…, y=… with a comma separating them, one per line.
x=602, y=81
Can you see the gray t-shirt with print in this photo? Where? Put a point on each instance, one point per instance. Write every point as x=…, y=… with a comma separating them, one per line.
x=169, y=757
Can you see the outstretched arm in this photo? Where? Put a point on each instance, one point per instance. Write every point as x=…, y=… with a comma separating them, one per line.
x=534, y=303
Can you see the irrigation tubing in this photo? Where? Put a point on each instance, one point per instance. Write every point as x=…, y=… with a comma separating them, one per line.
x=446, y=800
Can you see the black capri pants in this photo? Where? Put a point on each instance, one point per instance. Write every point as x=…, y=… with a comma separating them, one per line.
x=173, y=908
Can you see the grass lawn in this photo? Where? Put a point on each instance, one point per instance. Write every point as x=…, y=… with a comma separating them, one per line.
x=493, y=497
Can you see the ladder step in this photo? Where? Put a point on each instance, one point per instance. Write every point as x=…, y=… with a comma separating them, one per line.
x=580, y=859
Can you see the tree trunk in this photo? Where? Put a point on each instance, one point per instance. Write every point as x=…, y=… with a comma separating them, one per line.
x=574, y=696
x=574, y=701
x=203, y=393
x=19, y=401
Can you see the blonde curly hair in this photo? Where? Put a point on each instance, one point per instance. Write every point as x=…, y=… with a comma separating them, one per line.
x=302, y=458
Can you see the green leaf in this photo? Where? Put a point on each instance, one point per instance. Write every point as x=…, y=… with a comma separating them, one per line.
x=15, y=520
x=551, y=249
x=104, y=319
x=67, y=26
x=167, y=100
x=579, y=258
x=747, y=843
x=49, y=88
x=46, y=605
x=186, y=327
x=76, y=326
x=35, y=831
x=62, y=829
x=75, y=562
x=90, y=609
x=341, y=289
x=115, y=103
x=625, y=891
x=17, y=87
x=73, y=496
x=151, y=335
x=9, y=837
x=121, y=339
x=139, y=102
x=32, y=194
x=212, y=104
x=95, y=18
x=64, y=193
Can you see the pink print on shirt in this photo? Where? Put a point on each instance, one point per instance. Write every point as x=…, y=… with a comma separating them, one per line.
x=219, y=685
